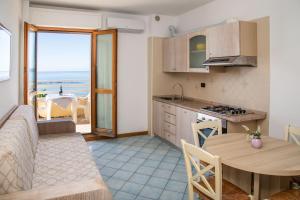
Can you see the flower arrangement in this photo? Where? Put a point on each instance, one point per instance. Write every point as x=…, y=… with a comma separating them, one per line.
x=254, y=137
x=41, y=94
x=252, y=134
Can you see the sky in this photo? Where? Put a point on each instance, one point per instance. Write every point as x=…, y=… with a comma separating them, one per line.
x=64, y=52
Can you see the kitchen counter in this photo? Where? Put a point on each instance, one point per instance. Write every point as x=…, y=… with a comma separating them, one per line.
x=197, y=105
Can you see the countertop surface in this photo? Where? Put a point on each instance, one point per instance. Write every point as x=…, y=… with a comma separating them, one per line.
x=197, y=105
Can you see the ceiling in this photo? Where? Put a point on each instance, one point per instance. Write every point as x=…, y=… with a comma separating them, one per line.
x=166, y=7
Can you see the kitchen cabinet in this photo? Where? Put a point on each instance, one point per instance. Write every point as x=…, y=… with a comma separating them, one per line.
x=158, y=118
x=169, y=55
x=173, y=123
x=197, y=53
x=175, y=54
x=181, y=53
x=184, y=120
x=155, y=117
x=164, y=121
x=232, y=39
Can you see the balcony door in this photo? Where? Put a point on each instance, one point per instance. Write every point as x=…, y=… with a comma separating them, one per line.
x=30, y=64
x=103, y=75
x=104, y=83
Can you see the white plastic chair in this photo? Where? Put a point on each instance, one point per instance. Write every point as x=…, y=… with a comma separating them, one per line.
x=63, y=102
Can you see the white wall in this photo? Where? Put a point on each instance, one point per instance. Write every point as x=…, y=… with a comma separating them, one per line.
x=284, y=48
x=10, y=17
x=64, y=18
x=161, y=28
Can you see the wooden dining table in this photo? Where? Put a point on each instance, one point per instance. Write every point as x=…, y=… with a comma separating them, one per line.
x=266, y=170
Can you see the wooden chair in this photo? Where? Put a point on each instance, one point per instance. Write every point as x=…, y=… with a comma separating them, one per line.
x=292, y=134
x=198, y=128
x=208, y=187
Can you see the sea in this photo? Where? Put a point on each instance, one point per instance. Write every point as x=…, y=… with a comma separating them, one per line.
x=76, y=82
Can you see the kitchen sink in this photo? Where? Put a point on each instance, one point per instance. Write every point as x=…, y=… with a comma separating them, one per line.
x=171, y=98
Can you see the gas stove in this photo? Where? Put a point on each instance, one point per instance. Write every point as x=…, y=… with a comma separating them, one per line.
x=226, y=110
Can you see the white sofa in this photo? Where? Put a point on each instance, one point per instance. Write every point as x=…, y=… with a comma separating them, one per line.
x=46, y=160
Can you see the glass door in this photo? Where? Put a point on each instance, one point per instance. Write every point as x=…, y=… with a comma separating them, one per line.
x=30, y=64
x=104, y=83
x=197, y=52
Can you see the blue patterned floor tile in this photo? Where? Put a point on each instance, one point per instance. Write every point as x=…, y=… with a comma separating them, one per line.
x=132, y=188
x=145, y=170
x=162, y=173
x=108, y=171
x=123, y=175
x=130, y=167
x=115, y=183
x=151, y=192
x=176, y=186
x=139, y=178
x=170, y=195
x=124, y=196
x=157, y=182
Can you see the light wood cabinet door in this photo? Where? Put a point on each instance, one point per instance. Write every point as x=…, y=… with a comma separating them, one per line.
x=184, y=119
x=197, y=52
x=169, y=55
x=223, y=40
x=155, y=118
x=160, y=118
x=232, y=39
x=181, y=53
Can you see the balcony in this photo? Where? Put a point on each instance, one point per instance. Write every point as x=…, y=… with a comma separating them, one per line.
x=79, y=90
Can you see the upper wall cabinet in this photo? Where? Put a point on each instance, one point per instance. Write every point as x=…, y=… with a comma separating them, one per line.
x=175, y=54
x=181, y=53
x=197, y=53
x=169, y=55
x=232, y=39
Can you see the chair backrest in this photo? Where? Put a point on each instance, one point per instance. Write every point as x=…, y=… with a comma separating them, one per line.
x=292, y=134
x=63, y=102
x=199, y=179
x=215, y=126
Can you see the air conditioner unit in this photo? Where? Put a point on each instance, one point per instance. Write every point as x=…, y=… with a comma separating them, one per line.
x=125, y=24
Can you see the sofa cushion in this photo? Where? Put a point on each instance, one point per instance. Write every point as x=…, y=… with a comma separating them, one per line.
x=26, y=112
x=61, y=159
x=16, y=157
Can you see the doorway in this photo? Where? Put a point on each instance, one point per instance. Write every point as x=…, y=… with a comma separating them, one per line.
x=63, y=76
x=71, y=73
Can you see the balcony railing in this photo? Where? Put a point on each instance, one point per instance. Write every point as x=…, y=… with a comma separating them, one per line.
x=77, y=87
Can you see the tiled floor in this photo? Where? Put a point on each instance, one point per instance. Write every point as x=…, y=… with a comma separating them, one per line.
x=141, y=168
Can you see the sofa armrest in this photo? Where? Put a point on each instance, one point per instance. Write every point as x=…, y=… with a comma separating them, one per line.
x=56, y=127
x=83, y=190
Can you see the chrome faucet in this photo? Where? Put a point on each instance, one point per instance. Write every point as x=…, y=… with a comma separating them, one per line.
x=181, y=87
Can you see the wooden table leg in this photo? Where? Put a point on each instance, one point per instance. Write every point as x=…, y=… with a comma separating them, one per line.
x=240, y=178
x=264, y=186
x=256, y=187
